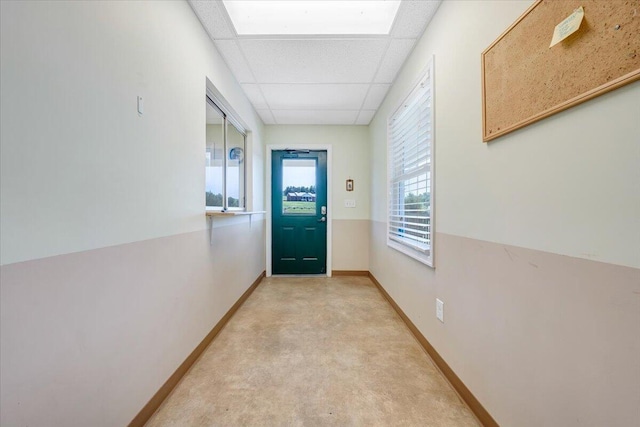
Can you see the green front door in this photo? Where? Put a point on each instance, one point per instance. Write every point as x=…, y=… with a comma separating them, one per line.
x=299, y=212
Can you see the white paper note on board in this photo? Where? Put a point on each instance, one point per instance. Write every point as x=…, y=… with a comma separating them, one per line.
x=567, y=27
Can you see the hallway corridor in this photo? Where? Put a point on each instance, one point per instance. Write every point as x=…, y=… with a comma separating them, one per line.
x=314, y=351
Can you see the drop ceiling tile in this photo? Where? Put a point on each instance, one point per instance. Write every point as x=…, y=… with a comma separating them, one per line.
x=234, y=59
x=315, y=96
x=212, y=17
x=266, y=117
x=315, y=117
x=365, y=117
x=413, y=17
x=313, y=60
x=375, y=96
x=255, y=96
x=394, y=58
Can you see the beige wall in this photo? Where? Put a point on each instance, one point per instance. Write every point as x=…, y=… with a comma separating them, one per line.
x=108, y=278
x=351, y=241
x=540, y=339
x=89, y=337
x=537, y=235
x=350, y=159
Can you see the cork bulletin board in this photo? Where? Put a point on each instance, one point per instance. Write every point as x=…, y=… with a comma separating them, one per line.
x=524, y=80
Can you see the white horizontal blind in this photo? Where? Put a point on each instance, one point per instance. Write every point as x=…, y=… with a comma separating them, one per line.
x=410, y=138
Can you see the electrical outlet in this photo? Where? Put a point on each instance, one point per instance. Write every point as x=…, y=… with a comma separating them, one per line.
x=440, y=310
x=349, y=203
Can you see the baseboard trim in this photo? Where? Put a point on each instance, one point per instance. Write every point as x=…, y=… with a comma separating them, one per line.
x=154, y=403
x=473, y=403
x=349, y=273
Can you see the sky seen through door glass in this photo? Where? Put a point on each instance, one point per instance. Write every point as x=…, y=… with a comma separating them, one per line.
x=298, y=173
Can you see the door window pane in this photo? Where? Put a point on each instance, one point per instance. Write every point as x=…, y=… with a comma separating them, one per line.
x=299, y=186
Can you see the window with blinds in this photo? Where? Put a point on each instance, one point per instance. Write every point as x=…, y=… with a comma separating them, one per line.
x=410, y=173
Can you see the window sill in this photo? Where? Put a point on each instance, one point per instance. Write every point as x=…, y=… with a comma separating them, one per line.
x=232, y=213
x=419, y=255
x=210, y=213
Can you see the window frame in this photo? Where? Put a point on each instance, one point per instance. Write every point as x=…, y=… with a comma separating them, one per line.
x=404, y=245
x=227, y=120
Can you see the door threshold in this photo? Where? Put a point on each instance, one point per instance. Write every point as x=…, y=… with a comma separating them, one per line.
x=300, y=275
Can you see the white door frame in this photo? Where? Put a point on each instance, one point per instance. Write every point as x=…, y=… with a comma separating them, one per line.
x=279, y=147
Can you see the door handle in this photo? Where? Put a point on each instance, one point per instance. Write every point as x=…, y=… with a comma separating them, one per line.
x=323, y=219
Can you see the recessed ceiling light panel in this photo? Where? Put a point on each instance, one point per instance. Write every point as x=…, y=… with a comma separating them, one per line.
x=315, y=17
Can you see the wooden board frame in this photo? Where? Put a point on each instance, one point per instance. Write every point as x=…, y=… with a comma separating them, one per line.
x=489, y=134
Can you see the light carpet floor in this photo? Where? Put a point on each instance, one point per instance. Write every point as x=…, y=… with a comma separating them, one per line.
x=308, y=351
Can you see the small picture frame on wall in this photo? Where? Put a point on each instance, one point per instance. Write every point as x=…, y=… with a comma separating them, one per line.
x=349, y=184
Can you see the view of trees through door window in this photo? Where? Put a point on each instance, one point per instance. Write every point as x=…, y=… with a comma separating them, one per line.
x=299, y=186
